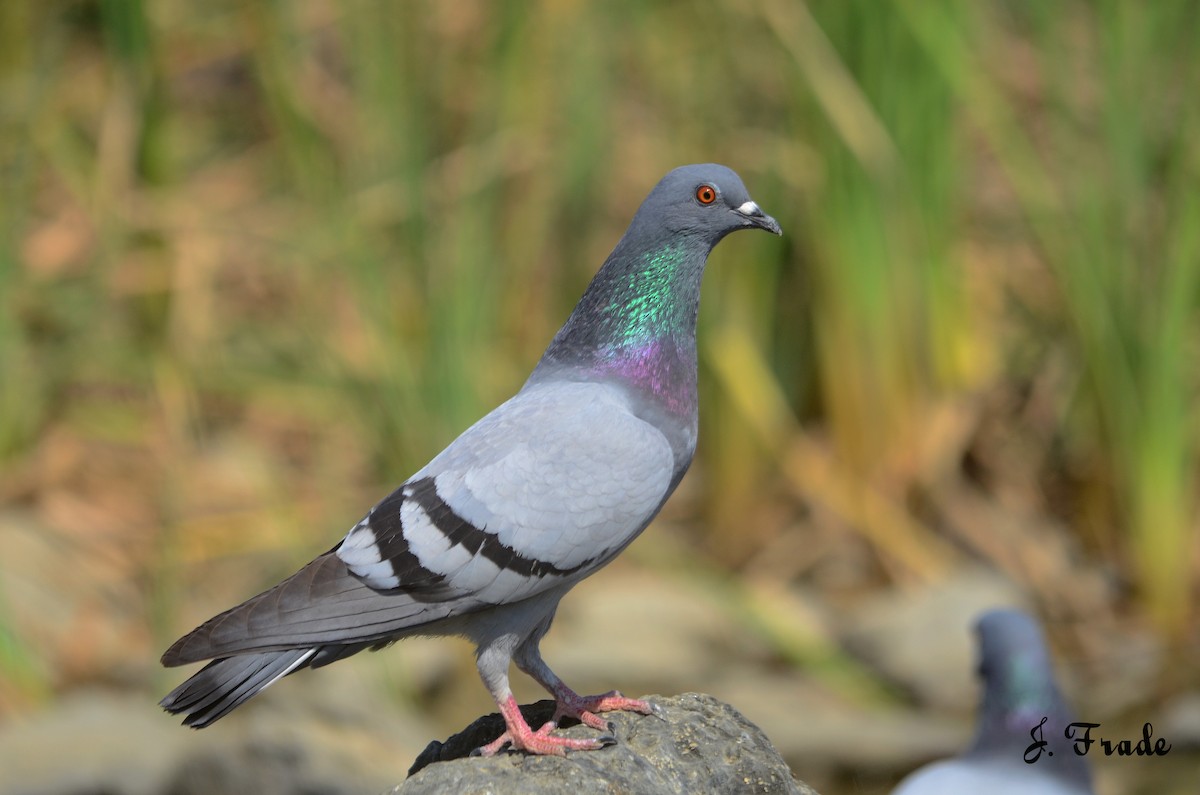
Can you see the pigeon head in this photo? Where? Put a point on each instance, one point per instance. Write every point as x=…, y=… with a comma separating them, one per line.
x=636, y=323
x=704, y=202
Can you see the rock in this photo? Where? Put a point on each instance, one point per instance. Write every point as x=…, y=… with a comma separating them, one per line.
x=345, y=738
x=1182, y=721
x=88, y=744
x=839, y=734
x=699, y=745
x=922, y=639
x=337, y=734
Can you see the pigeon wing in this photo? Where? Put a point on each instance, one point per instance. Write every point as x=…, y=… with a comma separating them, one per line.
x=543, y=491
x=546, y=489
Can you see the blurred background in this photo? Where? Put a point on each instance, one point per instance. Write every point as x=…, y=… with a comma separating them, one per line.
x=259, y=261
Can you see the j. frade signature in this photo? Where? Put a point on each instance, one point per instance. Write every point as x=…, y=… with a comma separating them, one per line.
x=1080, y=735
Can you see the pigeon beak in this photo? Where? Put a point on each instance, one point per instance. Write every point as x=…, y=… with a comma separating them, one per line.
x=756, y=217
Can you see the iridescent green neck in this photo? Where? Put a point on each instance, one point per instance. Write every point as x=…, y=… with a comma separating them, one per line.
x=652, y=300
x=637, y=322
x=1022, y=691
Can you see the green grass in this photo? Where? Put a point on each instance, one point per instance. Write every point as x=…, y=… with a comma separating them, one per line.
x=1104, y=173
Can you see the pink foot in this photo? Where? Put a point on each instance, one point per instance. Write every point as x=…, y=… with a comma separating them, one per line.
x=520, y=737
x=584, y=708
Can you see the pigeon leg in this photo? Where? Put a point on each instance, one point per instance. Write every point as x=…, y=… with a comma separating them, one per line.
x=569, y=703
x=493, y=661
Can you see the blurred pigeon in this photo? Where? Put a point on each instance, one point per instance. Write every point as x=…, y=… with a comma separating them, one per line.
x=542, y=492
x=1018, y=692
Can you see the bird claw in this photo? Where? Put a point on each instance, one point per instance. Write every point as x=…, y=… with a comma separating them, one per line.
x=495, y=746
x=519, y=736
x=584, y=708
x=543, y=744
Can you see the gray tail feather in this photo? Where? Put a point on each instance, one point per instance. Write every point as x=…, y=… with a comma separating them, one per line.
x=222, y=685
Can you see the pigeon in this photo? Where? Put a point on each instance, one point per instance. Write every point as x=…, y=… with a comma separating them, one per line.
x=1018, y=692
x=486, y=538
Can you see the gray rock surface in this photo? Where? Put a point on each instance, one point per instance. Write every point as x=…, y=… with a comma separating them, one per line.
x=920, y=638
x=86, y=746
x=698, y=745
x=298, y=741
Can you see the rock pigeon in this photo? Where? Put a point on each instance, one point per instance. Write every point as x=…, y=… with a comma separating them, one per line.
x=542, y=492
x=1018, y=691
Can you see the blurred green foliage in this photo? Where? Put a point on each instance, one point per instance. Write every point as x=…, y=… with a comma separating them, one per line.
x=365, y=219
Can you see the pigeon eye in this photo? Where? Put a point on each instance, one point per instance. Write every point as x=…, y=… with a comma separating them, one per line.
x=706, y=194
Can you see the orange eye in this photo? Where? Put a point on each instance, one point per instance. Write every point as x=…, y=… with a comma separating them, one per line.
x=706, y=194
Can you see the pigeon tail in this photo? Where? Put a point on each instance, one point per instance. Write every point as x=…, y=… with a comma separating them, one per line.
x=222, y=685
